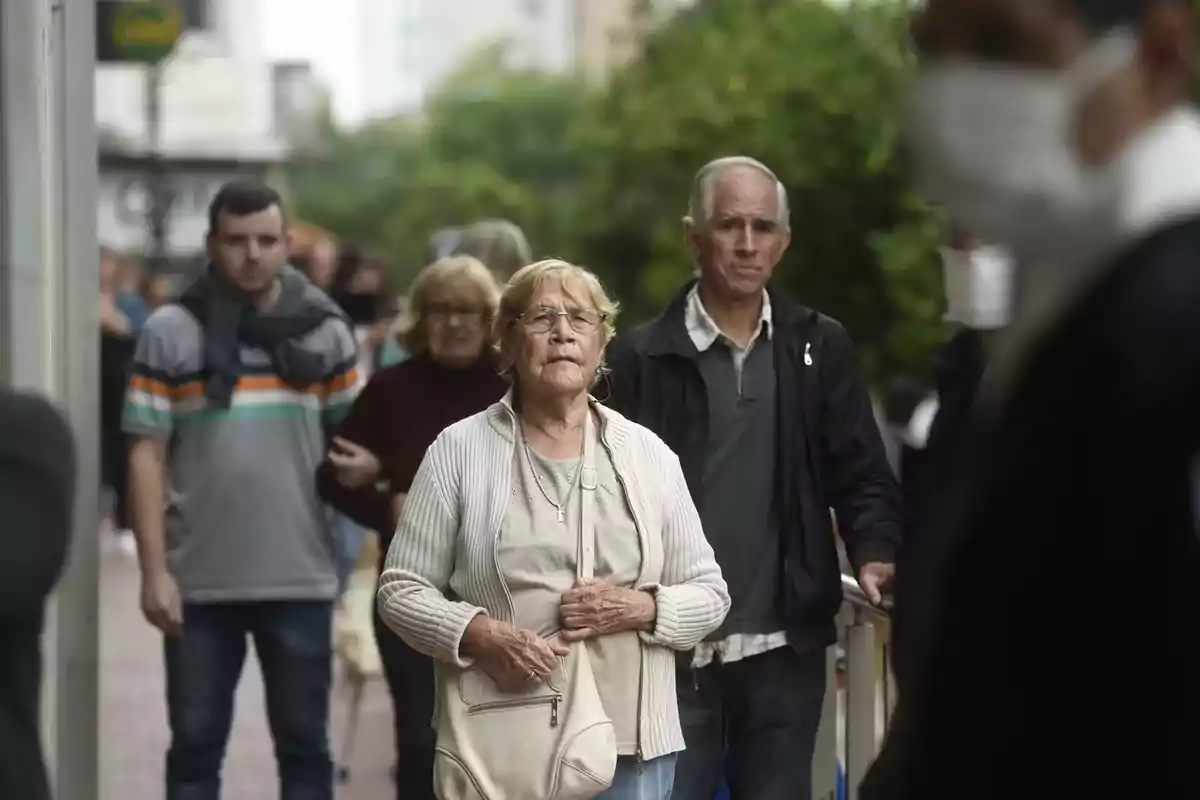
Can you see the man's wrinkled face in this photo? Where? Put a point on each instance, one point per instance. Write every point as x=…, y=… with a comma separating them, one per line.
x=745, y=236
x=1051, y=36
x=249, y=251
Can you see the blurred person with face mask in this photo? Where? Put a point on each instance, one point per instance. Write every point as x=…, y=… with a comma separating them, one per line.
x=360, y=288
x=978, y=281
x=1059, y=576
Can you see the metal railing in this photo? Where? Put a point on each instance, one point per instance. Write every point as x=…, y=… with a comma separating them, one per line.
x=859, y=695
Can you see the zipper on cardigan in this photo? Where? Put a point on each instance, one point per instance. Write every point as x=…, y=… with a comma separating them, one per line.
x=641, y=580
x=552, y=700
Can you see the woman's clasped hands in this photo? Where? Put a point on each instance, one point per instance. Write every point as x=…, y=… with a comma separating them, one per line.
x=513, y=657
x=595, y=608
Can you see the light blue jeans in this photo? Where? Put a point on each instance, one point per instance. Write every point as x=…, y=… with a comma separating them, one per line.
x=642, y=780
x=348, y=539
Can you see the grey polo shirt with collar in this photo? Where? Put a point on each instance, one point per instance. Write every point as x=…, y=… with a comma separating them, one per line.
x=737, y=507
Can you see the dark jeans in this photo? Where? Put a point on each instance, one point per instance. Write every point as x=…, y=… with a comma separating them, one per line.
x=410, y=681
x=766, y=709
x=294, y=645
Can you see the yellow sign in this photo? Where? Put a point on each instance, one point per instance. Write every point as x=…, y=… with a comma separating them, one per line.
x=147, y=30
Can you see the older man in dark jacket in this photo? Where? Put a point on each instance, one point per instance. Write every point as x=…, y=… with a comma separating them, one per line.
x=764, y=404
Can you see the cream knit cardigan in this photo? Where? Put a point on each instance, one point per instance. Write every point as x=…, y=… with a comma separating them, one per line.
x=441, y=569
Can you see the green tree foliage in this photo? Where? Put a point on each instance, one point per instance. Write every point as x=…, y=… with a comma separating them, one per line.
x=490, y=143
x=602, y=176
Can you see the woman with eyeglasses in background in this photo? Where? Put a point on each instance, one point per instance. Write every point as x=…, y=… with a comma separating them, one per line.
x=449, y=375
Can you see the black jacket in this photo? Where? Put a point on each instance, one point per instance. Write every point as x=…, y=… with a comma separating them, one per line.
x=830, y=453
x=957, y=368
x=37, y=496
x=1059, y=648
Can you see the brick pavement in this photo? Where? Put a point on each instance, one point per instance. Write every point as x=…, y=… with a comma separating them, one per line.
x=133, y=730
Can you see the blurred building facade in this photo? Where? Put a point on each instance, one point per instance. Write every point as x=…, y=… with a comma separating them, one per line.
x=225, y=111
x=408, y=47
x=610, y=33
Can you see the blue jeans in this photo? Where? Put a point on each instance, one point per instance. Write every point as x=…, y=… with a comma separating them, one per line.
x=348, y=538
x=294, y=645
x=642, y=780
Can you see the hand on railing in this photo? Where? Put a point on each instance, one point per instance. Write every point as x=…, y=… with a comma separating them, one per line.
x=875, y=579
x=857, y=597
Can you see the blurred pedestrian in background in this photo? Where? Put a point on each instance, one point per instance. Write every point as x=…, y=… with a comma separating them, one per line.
x=314, y=252
x=157, y=290
x=499, y=245
x=442, y=243
x=360, y=288
x=122, y=314
x=902, y=396
x=978, y=282
x=451, y=375
x=1059, y=636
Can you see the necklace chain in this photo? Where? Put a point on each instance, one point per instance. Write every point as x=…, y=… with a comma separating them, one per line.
x=558, y=507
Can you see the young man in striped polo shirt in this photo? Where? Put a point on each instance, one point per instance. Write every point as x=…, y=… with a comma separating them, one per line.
x=232, y=390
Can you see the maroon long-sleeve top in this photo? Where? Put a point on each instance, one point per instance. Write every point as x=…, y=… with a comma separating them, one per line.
x=397, y=416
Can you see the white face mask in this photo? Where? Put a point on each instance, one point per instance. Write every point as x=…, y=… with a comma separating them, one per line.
x=995, y=145
x=979, y=287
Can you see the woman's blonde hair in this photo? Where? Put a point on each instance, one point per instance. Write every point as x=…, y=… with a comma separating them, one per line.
x=524, y=286
x=464, y=275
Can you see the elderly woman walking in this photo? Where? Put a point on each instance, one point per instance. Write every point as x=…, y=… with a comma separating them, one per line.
x=551, y=560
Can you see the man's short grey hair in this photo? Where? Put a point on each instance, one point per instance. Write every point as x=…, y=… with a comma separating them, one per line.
x=700, y=203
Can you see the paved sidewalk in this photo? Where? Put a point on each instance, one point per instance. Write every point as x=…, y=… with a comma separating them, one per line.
x=133, y=729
